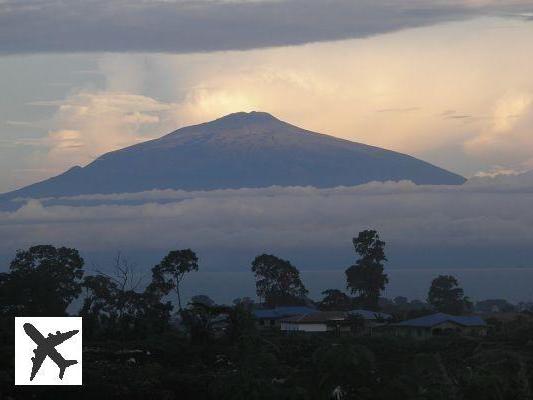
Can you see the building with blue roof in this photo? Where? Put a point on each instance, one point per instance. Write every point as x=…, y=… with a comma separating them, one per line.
x=270, y=318
x=440, y=324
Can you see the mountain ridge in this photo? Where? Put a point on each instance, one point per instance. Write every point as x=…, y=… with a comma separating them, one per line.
x=235, y=151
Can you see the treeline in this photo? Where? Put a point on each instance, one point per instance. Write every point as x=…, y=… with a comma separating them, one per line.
x=130, y=350
x=278, y=283
x=44, y=280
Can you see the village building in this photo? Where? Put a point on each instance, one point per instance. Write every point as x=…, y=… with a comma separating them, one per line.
x=270, y=318
x=356, y=321
x=439, y=325
x=319, y=321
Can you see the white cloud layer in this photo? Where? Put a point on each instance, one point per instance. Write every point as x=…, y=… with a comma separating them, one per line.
x=480, y=216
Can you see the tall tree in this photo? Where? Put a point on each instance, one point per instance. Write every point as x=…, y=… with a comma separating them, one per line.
x=42, y=281
x=446, y=296
x=277, y=281
x=173, y=268
x=335, y=300
x=366, y=279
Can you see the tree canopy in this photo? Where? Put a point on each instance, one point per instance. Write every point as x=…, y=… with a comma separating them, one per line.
x=334, y=300
x=446, y=296
x=173, y=268
x=278, y=281
x=43, y=280
x=366, y=279
x=113, y=307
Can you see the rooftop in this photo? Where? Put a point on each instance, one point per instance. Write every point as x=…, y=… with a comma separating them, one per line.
x=317, y=317
x=429, y=321
x=282, y=312
x=369, y=315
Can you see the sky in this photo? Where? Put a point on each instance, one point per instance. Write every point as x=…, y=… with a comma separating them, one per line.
x=447, y=81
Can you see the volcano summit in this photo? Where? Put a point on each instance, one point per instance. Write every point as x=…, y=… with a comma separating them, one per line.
x=241, y=150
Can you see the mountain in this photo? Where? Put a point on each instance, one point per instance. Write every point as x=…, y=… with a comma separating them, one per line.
x=239, y=150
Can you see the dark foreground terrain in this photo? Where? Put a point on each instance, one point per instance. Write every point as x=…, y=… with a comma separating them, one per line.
x=137, y=345
x=275, y=366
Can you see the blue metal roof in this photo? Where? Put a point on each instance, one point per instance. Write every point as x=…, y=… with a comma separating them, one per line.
x=435, y=319
x=282, y=312
x=366, y=314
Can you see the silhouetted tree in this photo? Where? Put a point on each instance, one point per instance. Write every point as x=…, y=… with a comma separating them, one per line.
x=200, y=320
x=173, y=268
x=241, y=321
x=42, y=281
x=335, y=299
x=278, y=281
x=446, y=296
x=113, y=306
x=366, y=278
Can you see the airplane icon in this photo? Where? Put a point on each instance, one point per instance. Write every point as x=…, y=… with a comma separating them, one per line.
x=46, y=347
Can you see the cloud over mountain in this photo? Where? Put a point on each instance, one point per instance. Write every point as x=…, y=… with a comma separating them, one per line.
x=479, y=223
x=179, y=26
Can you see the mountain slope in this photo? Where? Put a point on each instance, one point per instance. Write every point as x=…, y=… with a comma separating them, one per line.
x=239, y=150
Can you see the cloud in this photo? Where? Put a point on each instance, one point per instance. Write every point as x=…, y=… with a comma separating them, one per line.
x=497, y=171
x=197, y=26
x=475, y=217
x=509, y=138
x=88, y=124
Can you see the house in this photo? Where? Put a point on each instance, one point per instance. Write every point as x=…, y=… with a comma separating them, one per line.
x=334, y=321
x=270, y=318
x=439, y=325
x=318, y=321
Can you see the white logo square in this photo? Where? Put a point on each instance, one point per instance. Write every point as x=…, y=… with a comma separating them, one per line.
x=48, y=350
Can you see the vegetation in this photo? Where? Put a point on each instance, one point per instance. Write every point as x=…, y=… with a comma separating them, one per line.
x=446, y=296
x=278, y=282
x=114, y=308
x=136, y=347
x=43, y=281
x=335, y=300
x=366, y=278
x=173, y=365
x=172, y=269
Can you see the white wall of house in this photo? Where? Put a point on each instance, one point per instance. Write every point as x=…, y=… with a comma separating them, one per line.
x=296, y=327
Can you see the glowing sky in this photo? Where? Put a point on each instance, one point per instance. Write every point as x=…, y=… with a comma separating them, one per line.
x=456, y=91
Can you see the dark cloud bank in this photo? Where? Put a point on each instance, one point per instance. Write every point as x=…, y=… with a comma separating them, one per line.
x=30, y=26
